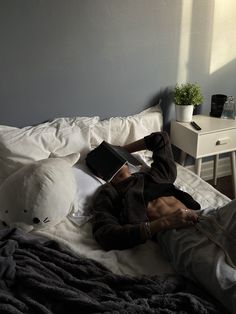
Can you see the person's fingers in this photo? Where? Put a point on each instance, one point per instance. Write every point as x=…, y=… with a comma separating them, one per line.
x=191, y=215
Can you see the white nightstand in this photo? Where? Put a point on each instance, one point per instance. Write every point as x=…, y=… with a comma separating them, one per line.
x=216, y=136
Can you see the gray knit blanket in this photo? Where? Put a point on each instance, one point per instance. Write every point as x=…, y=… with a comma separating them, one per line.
x=37, y=275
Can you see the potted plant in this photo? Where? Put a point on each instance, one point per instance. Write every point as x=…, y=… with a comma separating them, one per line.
x=186, y=97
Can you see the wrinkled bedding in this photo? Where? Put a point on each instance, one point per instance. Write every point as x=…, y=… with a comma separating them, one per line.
x=39, y=276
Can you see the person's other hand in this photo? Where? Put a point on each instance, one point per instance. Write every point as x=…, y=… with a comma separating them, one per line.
x=181, y=218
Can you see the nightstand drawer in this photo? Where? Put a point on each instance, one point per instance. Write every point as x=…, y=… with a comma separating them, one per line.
x=217, y=142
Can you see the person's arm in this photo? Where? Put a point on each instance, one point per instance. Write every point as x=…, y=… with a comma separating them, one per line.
x=106, y=227
x=163, y=165
x=135, y=146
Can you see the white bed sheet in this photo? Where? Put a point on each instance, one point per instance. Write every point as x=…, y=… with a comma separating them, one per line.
x=143, y=259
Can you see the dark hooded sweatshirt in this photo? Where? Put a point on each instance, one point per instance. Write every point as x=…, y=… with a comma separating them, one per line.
x=119, y=210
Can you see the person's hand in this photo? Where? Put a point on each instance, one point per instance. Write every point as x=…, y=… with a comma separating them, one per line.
x=181, y=218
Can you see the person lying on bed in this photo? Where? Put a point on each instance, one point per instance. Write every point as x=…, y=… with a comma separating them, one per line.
x=133, y=208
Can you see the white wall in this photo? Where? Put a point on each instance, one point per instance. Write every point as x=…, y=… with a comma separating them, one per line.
x=110, y=57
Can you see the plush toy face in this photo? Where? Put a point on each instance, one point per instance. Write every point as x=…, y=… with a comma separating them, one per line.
x=38, y=195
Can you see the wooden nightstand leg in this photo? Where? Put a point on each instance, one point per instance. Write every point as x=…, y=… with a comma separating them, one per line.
x=198, y=166
x=182, y=157
x=216, y=159
x=233, y=165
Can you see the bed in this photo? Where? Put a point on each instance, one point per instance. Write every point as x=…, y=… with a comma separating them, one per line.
x=58, y=267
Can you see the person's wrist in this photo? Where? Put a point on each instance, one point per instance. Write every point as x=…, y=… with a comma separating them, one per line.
x=148, y=231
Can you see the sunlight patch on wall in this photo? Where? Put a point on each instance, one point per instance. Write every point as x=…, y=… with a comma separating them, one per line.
x=185, y=37
x=224, y=34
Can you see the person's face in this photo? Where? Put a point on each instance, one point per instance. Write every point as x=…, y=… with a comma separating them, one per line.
x=123, y=174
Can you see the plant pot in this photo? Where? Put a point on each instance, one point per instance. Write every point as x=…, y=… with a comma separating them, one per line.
x=184, y=113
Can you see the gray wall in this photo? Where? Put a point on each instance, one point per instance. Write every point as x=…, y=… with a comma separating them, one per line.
x=106, y=57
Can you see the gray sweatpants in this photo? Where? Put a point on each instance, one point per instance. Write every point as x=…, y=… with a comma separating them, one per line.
x=206, y=252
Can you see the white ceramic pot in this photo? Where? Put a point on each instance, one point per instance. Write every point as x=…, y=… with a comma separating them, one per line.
x=184, y=113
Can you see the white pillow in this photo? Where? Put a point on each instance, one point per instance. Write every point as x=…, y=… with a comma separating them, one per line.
x=39, y=194
x=62, y=136
x=122, y=130
x=87, y=184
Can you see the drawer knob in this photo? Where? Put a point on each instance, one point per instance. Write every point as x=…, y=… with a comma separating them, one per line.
x=222, y=141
